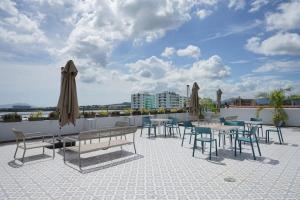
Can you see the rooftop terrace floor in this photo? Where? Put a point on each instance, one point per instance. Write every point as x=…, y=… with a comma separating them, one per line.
x=162, y=169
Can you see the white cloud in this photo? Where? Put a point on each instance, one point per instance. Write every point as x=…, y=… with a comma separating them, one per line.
x=203, y=13
x=279, y=66
x=237, y=4
x=168, y=52
x=103, y=25
x=208, y=2
x=287, y=17
x=189, y=51
x=257, y=4
x=154, y=74
x=9, y=7
x=279, y=44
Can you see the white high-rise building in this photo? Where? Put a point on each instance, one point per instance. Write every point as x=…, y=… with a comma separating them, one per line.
x=167, y=100
x=183, y=101
x=142, y=100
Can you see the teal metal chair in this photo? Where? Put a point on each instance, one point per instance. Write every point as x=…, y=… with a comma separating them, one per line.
x=173, y=124
x=277, y=130
x=259, y=127
x=188, y=129
x=222, y=120
x=248, y=137
x=206, y=135
x=146, y=123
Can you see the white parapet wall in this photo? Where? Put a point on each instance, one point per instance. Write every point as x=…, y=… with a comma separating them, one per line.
x=266, y=114
x=51, y=126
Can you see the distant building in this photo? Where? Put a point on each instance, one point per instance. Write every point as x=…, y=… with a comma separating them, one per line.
x=142, y=100
x=183, y=102
x=167, y=100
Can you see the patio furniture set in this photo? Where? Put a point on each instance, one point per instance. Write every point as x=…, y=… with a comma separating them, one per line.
x=240, y=131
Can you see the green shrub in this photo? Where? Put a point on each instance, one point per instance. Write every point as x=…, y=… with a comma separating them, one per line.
x=53, y=115
x=89, y=114
x=136, y=112
x=36, y=116
x=12, y=117
x=103, y=114
x=115, y=113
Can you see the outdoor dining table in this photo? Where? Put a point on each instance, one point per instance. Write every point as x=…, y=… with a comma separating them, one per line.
x=160, y=122
x=217, y=127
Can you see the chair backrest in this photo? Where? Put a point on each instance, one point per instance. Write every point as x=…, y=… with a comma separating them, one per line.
x=188, y=124
x=279, y=124
x=255, y=119
x=253, y=130
x=174, y=120
x=19, y=134
x=146, y=120
x=234, y=123
x=203, y=130
x=222, y=120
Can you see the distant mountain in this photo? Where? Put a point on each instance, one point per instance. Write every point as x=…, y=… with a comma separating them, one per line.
x=16, y=105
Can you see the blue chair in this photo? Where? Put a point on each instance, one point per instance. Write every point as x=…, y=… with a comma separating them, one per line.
x=203, y=131
x=249, y=137
x=146, y=123
x=277, y=130
x=222, y=120
x=188, y=129
x=173, y=124
x=258, y=126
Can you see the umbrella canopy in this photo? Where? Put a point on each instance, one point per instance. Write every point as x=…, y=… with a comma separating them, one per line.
x=68, y=104
x=194, y=105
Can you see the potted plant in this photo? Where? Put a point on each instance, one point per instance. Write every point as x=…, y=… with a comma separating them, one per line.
x=276, y=101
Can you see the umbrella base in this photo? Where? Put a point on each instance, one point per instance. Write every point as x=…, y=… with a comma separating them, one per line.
x=59, y=144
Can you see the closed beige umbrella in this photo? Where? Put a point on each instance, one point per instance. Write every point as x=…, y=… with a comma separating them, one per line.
x=67, y=107
x=194, y=105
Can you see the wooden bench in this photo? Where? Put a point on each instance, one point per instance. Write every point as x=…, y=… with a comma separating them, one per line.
x=116, y=137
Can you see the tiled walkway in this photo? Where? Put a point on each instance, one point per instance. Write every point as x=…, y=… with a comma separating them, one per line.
x=161, y=170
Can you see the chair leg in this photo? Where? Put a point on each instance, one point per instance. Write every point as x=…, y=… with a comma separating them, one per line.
x=79, y=161
x=190, y=138
x=267, y=133
x=235, y=147
x=195, y=145
x=252, y=148
x=141, y=131
x=281, y=136
x=149, y=132
x=179, y=131
x=210, y=151
x=216, y=147
x=183, y=137
x=53, y=149
x=155, y=131
x=16, y=151
x=43, y=150
x=134, y=147
x=23, y=156
x=219, y=139
x=240, y=145
x=202, y=145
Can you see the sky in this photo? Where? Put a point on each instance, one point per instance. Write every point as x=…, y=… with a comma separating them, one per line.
x=243, y=47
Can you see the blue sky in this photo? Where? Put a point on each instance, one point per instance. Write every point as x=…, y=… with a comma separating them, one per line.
x=122, y=47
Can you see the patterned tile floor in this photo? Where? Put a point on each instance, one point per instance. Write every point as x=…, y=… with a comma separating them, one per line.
x=162, y=169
